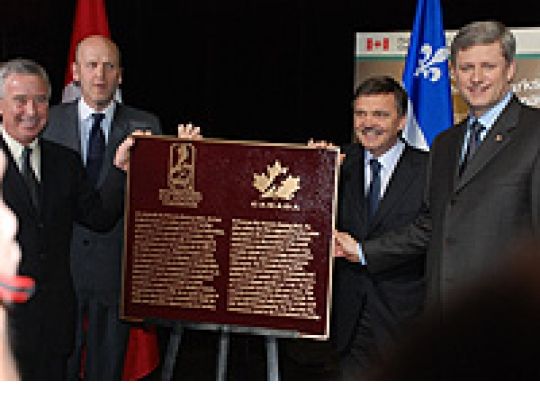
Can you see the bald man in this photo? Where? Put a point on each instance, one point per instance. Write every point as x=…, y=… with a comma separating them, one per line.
x=96, y=257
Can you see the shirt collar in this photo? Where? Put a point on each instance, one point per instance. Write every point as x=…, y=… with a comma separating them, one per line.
x=85, y=111
x=389, y=158
x=16, y=148
x=488, y=119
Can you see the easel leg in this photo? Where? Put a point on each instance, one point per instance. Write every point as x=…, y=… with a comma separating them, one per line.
x=223, y=354
x=272, y=367
x=172, y=351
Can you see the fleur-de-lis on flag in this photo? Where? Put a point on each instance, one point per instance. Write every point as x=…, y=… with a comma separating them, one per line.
x=427, y=63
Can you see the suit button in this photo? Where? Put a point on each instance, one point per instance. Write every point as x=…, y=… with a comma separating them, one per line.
x=42, y=256
x=86, y=242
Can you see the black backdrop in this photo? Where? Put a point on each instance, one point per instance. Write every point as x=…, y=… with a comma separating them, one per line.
x=279, y=70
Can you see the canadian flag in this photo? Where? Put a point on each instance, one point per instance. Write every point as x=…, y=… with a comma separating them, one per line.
x=377, y=44
x=142, y=355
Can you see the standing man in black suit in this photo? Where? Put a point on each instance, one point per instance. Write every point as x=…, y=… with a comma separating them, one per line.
x=46, y=187
x=96, y=258
x=483, y=185
x=380, y=188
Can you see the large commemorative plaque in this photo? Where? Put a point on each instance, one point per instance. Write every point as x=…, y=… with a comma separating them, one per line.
x=228, y=232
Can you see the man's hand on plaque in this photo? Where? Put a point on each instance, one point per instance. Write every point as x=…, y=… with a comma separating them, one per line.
x=323, y=144
x=345, y=246
x=189, y=132
x=121, y=158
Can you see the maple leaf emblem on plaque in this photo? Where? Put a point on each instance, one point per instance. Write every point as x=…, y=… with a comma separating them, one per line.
x=270, y=186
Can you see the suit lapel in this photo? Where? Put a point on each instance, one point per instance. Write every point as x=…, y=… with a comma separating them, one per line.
x=494, y=142
x=47, y=188
x=119, y=130
x=14, y=188
x=354, y=187
x=71, y=137
x=402, y=177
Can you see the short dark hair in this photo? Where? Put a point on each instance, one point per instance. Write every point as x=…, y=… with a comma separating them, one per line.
x=384, y=84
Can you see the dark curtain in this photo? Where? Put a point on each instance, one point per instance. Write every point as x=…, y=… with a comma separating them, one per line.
x=277, y=70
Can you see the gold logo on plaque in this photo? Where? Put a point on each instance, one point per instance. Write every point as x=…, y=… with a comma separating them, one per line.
x=276, y=184
x=181, y=177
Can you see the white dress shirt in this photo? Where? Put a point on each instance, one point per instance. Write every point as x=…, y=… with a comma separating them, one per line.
x=86, y=121
x=16, y=149
x=388, y=163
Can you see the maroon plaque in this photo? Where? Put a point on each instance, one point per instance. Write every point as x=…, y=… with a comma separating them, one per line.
x=228, y=232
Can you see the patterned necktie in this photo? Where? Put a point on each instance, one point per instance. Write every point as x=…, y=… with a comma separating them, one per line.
x=30, y=177
x=472, y=144
x=96, y=149
x=374, y=191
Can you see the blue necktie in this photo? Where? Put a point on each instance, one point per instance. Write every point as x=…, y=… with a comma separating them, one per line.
x=374, y=191
x=472, y=144
x=96, y=149
x=30, y=177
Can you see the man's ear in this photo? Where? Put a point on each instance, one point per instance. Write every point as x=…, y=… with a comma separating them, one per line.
x=75, y=71
x=511, y=72
x=402, y=123
x=452, y=71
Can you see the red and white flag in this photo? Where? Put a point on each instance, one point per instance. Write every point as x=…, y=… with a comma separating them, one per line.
x=377, y=43
x=142, y=355
x=90, y=19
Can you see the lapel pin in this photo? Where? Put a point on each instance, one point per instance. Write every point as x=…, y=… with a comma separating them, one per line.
x=498, y=138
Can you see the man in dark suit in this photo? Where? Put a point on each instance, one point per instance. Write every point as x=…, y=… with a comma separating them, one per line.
x=96, y=258
x=483, y=186
x=369, y=310
x=46, y=187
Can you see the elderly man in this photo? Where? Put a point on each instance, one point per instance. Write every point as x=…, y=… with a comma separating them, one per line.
x=46, y=187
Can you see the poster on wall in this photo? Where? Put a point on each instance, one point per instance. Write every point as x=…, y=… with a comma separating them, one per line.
x=378, y=53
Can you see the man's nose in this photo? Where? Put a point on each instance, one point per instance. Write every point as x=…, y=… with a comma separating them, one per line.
x=100, y=70
x=30, y=107
x=477, y=74
x=368, y=120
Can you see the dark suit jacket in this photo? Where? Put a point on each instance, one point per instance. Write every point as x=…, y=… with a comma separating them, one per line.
x=46, y=321
x=469, y=223
x=397, y=294
x=96, y=258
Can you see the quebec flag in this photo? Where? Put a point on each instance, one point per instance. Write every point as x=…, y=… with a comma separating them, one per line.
x=426, y=77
